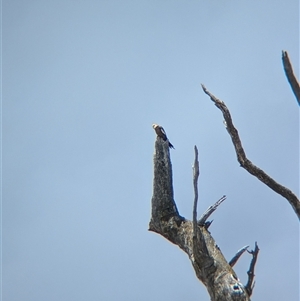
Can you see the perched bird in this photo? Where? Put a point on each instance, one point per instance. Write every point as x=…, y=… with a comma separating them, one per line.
x=160, y=132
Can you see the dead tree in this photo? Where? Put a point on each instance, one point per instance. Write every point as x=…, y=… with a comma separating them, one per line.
x=193, y=237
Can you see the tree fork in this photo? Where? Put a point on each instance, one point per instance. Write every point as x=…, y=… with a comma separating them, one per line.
x=192, y=237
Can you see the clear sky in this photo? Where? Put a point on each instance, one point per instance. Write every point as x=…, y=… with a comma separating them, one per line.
x=82, y=83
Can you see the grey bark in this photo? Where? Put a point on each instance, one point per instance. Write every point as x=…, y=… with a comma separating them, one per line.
x=209, y=264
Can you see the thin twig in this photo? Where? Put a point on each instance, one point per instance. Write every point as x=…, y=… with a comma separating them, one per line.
x=195, y=182
x=246, y=163
x=236, y=257
x=288, y=69
x=210, y=210
x=250, y=284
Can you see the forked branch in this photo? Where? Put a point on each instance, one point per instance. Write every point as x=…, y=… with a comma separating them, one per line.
x=250, y=284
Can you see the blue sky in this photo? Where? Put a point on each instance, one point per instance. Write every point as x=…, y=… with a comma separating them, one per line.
x=82, y=83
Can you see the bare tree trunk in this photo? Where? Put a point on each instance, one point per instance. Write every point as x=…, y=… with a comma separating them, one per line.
x=192, y=237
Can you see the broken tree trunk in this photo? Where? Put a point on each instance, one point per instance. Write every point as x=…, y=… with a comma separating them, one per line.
x=192, y=237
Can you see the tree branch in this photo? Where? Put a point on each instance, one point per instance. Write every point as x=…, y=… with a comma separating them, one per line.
x=250, y=284
x=196, y=173
x=247, y=164
x=210, y=210
x=195, y=183
x=288, y=69
x=237, y=256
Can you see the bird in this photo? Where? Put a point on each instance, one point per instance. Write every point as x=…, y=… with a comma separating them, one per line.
x=160, y=132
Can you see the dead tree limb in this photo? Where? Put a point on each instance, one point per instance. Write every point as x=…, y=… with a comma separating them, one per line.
x=210, y=266
x=236, y=257
x=210, y=210
x=250, y=284
x=196, y=173
x=246, y=163
x=288, y=69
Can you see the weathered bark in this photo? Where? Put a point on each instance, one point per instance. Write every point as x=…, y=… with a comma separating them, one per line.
x=209, y=264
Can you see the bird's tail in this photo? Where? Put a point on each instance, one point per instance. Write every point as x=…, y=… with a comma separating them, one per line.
x=171, y=145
